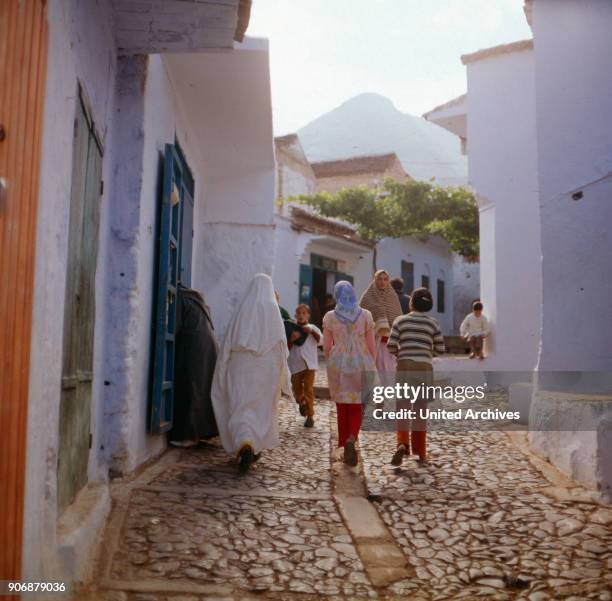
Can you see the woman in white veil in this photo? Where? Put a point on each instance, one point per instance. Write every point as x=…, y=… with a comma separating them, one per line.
x=251, y=374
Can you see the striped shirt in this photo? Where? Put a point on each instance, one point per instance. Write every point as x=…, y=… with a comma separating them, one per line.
x=416, y=336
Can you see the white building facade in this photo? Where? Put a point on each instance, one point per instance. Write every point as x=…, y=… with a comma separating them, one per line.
x=541, y=165
x=141, y=92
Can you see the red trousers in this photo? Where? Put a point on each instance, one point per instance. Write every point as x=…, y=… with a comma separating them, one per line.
x=349, y=421
x=413, y=373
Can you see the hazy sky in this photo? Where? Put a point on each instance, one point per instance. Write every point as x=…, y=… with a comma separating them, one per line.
x=323, y=52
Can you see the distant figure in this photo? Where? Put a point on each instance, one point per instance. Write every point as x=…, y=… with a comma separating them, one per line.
x=251, y=373
x=381, y=300
x=348, y=342
x=303, y=363
x=404, y=299
x=475, y=328
x=330, y=303
x=415, y=338
x=194, y=366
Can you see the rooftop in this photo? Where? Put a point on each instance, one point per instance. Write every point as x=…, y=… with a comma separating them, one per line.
x=305, y=220
x=455, y=102
x=373, y=163
x=466, y=59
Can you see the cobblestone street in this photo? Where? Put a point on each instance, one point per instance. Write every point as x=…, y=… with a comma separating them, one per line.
x=480, y=521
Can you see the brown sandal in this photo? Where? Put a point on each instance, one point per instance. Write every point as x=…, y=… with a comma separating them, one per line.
x=350, y=454
x=399, y=455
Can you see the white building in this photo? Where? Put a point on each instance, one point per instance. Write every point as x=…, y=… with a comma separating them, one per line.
x=540, y=162
x=156, y=163
x=313, y=253
x=502, y=171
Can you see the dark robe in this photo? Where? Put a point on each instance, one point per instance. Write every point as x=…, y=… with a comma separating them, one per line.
x=404, y=300
x=194, y=366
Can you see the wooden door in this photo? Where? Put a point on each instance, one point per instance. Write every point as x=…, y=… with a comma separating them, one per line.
x=23, y=64
x=79, y=312
x=174, y=253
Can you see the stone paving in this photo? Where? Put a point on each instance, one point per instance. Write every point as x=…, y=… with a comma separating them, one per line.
x=480, y=521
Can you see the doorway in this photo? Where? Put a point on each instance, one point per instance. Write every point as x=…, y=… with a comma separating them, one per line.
x=316, y=287
x=79, y=311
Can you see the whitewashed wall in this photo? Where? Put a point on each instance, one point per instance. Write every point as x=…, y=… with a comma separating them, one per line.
x=431, y=258
x=466, y=288
x=503, y=171
x=148, y=117
x=226, y=97
x=81, y=47
x=574, y=119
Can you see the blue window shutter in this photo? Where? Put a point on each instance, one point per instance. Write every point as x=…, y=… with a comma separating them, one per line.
x=168, y=271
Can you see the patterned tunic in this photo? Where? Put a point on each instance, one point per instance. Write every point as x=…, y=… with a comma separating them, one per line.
x=349, y=361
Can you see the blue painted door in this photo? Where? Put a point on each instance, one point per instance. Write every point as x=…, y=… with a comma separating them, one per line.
x=305, y=289
x=174, y=265
x=408, y=276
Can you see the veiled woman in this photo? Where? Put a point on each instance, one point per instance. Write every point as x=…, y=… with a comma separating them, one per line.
x=251, y=373
x=382, y=302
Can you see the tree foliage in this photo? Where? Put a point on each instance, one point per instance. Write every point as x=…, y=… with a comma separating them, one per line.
x=399, y=209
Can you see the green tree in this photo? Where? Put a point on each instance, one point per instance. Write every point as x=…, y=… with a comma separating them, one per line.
x=399, y=209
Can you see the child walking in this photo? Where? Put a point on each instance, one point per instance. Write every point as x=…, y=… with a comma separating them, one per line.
x=475, y=328
x=415, y=338
x=303, y=363
x=348, y=341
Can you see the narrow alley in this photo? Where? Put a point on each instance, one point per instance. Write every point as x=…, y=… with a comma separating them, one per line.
x=482, y=520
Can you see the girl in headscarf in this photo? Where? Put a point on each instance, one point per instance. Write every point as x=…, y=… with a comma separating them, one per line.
x=250, y=375
x=382, y=301
x=348, y=342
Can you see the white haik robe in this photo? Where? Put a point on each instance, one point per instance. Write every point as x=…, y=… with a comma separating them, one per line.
x=252, y=371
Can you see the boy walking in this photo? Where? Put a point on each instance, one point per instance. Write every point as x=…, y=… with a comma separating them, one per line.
x=475, y=328
x=415, y=338
x=303, y=363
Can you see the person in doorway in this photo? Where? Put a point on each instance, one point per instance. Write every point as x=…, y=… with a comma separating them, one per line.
x=284, y=313
x=348, y=342
x=382, y=302
x=194, y=366
x=303, y=363
x=415, y=338
x=251, y=373
x=398, y=285
x=475, y=328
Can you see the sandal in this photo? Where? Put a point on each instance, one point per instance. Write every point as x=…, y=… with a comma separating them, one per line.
x=399, y=455
x=350, y=454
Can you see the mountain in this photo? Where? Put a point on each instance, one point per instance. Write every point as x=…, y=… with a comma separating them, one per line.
x=370, y=124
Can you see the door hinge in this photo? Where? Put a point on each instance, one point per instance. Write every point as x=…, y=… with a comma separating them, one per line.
x=90, y=440
x=101, y=187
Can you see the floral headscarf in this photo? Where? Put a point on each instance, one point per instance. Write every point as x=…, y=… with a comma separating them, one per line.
x=346, y=309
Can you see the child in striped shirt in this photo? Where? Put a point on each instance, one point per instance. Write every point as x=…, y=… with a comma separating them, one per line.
x=415, y=338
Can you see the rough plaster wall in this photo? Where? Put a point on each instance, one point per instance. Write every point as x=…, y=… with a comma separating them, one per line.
x=292, y=177
x=575, y=155
x=572, y=44
x=229, y=255
x=286, y=272
x=466, y=288
x=147, y=118
x=503, y=171
x=80, y=46
x=124, y=241
x=431, y=258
